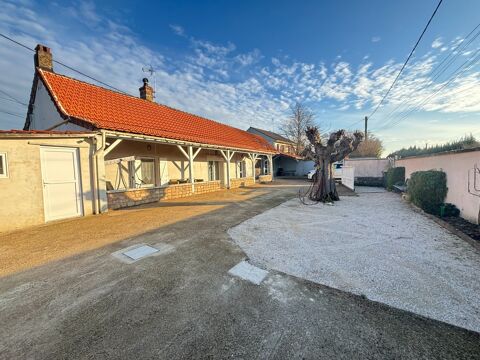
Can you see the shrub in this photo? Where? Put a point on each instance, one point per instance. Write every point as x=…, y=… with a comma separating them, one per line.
x=395, y=176
x=428, y=189
x=449, y=210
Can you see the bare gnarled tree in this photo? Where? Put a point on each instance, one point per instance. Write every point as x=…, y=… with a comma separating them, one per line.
x=338, y=146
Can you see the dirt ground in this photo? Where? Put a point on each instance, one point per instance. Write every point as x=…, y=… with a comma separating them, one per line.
x=183, y=304
x=38, y=245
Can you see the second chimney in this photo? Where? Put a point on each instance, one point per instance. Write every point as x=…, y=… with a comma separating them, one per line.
x=43, y=58
x=146, y=91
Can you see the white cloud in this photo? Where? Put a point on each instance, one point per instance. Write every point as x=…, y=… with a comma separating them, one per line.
x=220, y=82
x=437, y=43
x=177, y=29
x=376, y=39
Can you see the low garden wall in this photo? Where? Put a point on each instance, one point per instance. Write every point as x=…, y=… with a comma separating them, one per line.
x=368, y=171
x=118, y=199
x=241, y=182
x=126, y=198
x=265, y=178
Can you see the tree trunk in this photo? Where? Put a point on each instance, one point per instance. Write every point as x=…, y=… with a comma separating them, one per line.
x=324, y=188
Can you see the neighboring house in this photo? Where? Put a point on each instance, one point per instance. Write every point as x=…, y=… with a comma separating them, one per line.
x=286, y=161
x=138, y=151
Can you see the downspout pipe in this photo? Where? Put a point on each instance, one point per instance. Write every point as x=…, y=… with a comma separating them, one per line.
x=96, y=185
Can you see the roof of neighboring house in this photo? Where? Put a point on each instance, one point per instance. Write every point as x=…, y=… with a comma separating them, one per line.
x=293, y=156
x=100, y=108
x=273, y=135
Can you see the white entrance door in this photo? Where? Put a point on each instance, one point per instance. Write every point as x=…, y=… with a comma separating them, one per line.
x=62, y=193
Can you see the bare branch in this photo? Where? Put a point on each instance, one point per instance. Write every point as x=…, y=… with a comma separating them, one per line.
x=296, y=124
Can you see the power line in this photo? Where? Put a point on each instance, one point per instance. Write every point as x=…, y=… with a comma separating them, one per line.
x=457, y=51
x=16, y=42
x=12, y=98
x=10, y=113
x=460, y=47
x=7, y=99
x=406, y=61
x=467, y=65
x=64, y=65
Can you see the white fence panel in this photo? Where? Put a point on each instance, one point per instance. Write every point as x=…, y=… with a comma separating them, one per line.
x=348, y=177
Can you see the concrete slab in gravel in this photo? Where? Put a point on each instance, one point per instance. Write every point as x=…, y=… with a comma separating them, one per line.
x=248, y=272
x=373, y=245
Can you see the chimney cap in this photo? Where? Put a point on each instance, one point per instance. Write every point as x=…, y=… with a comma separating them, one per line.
x=43, y=57
x=42, y=48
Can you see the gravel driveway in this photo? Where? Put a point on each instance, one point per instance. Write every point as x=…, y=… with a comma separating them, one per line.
x=373, y=245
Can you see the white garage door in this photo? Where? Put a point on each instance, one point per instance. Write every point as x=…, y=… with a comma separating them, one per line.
x=62, y=191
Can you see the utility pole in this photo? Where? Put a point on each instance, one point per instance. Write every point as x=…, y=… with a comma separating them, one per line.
x=366, y=126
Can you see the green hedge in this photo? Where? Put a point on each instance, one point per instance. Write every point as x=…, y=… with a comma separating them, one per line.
x=395, y=176
x=428, y=189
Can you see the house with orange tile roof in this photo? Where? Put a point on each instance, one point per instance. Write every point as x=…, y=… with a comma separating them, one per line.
x=139, y=151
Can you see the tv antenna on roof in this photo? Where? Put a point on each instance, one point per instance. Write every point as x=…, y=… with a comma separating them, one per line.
x=149, y=69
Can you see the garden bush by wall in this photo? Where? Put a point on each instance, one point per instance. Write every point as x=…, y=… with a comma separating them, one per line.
x=428, y=190
x=395, y=175
x=461, y=177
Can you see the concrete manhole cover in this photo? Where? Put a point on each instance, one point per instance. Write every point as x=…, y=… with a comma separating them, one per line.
x=139, y=251
x=248, y=272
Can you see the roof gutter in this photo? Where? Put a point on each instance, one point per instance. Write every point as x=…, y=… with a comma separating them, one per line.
x=46, y=136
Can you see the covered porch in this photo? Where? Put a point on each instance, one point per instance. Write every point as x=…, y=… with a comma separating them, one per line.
x=143, y=169
x=286, y=164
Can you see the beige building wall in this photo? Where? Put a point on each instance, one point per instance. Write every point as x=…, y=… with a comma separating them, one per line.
x=459, y=169
x=21, y=193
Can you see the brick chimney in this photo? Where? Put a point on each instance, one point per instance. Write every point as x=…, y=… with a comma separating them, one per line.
x=146, y=91
x=43, y=58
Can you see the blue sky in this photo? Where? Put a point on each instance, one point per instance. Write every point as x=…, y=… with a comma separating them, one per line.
x=244, y=62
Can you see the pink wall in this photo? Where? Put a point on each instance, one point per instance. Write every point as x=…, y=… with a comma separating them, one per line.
x=457, y=167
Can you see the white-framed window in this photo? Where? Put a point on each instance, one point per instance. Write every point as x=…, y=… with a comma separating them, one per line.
x=142, y=172
x=213, y=171
x=241, y=169
x=3, y=165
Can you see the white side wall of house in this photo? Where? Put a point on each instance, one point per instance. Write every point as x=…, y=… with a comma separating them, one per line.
x=461, y=178
x=45, y=115
x=368, y=167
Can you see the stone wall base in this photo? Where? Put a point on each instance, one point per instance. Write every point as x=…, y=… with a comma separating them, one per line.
x=133, y=197
x=265, y=178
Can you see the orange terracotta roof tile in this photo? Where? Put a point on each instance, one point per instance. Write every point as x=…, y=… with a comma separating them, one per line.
x=110, y=110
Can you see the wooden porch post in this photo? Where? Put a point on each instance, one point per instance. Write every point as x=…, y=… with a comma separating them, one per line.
x=270, y=165
x=190, y=166
x=190, y=155
x=227, y=156
x=253, y=157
